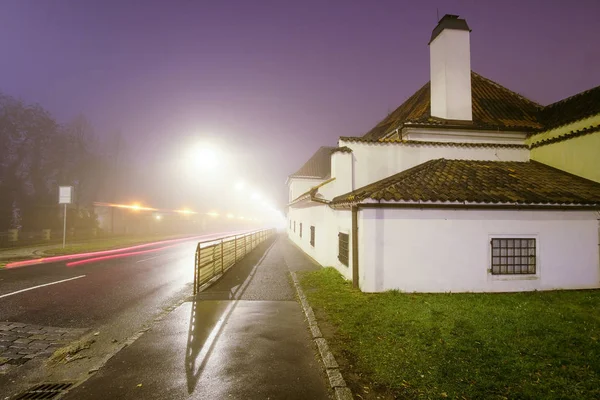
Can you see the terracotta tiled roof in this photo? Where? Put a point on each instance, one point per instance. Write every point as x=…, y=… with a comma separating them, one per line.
x=343, y=149
x=311, y=194
x=352, y=139
x=515, y=183
x=494, y=107
x=318, y=166
x=571, y=109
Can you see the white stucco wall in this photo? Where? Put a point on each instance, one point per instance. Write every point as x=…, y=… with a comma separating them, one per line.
x=449, y=250
x=327, y=223
x=374, y=161
x=298, y=186
x=450, y=68
x=342, y=169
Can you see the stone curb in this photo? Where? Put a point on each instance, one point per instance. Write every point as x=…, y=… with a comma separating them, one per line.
x=336, y=380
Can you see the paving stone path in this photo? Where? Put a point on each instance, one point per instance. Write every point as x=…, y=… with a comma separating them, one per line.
x=22, y=342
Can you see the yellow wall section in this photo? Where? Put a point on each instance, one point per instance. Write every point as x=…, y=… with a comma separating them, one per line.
x=579, y=156
x=561, y=130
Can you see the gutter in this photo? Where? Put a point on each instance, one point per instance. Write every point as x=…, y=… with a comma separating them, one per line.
x=467, y=206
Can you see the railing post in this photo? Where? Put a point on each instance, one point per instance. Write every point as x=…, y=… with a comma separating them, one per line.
x=222, y=266
x=235, y=240
x=196, y=261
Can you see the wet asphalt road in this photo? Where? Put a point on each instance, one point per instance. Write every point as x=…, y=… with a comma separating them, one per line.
x=114, y=298
x=132, y=287
x=242, y=338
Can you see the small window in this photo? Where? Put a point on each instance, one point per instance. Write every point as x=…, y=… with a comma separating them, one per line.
x=513, y=256
x=343, y=248
x=300, y=229
x=294, y=226
x=312, y=236
x=290, y=224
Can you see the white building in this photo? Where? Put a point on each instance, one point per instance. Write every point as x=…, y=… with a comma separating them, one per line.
x=442, y=196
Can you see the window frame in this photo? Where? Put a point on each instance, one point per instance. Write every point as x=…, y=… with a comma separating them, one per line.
x=506, y=270
x=344, y=238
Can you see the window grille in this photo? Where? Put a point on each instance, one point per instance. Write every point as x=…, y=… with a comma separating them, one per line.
x=513, y=256
x=343, y=248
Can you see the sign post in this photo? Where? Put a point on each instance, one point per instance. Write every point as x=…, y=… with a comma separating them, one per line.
x=65, y=196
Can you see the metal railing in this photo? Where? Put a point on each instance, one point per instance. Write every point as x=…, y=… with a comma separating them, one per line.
x=214, y=257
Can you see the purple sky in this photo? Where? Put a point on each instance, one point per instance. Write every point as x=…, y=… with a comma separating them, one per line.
x=274, y=80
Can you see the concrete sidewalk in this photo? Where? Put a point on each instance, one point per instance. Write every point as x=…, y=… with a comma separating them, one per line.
x=245, y=337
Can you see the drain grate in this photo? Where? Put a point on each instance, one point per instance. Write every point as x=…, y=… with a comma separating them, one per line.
x=45, y=391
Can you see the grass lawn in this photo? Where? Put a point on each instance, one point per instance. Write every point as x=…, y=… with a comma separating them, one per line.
x=536, y=345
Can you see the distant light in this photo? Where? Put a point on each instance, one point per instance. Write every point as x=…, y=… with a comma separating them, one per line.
x=158, y=217
x=255, y=196
x=205, y=157
x=213, y=214
x=230, y=215
x=240, y=186
x=136, y=206
x=241, y=217
x=185, y=211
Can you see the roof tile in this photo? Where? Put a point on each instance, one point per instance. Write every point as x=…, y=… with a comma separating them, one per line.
x=444, y=180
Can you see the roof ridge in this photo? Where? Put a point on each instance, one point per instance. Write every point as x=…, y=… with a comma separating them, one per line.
x=572, y=97
x=507, y=89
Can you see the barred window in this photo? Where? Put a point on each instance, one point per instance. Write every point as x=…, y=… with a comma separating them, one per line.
x=300, y=229
x=343, y=248
x=312, y=236
x=514, y=256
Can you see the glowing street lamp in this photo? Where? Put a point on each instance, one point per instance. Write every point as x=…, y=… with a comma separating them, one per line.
x=205, y=157
x=240, y=186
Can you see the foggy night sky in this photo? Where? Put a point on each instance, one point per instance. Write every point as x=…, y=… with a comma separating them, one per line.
x=272, y=80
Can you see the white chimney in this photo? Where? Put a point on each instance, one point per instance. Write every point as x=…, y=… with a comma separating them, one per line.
x=450, y=58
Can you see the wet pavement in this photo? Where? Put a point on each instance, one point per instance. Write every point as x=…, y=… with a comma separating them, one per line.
x=245, y=337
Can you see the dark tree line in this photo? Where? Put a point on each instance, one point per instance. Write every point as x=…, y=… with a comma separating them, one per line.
x=37, y=155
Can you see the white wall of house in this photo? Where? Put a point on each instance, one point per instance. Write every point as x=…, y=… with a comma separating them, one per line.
x=449, y=250
x=450, y=69
x=298, y=186
x=328, y=223
x=376, y=161
x=342, y=169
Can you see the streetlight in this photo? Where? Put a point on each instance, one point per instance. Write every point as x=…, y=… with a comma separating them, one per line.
x=240, y=186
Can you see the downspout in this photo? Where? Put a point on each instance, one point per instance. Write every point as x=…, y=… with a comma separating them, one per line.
x=355, y=282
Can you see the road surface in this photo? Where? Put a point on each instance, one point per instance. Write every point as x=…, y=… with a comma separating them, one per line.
x=109, y=299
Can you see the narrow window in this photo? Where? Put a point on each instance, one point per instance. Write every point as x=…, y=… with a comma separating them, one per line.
x=294, y=226
x=300, y=229
x=513, y=256
x=343, y=248
x=290, y=224
x=312, y=236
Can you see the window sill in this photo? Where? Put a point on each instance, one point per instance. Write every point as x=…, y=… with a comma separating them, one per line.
x=514, y=277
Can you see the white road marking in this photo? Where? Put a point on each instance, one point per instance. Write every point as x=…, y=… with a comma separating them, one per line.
x=39, y=286
x=146, y=259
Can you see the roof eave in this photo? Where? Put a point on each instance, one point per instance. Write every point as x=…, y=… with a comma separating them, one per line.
x=371, y=203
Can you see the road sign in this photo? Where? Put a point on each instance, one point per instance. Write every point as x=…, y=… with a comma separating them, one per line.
x=65, y=194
